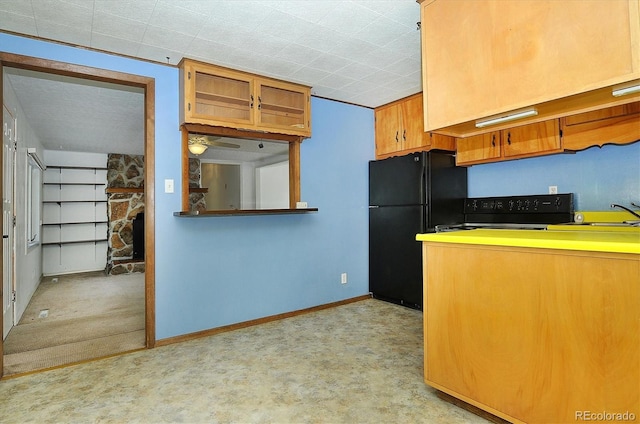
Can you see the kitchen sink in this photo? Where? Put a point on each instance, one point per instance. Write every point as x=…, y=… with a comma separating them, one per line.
x=629, y=226
x=615, y=224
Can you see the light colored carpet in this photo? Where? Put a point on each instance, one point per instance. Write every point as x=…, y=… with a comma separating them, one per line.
x=357, y=363
x=89, y=315
x=50, y=357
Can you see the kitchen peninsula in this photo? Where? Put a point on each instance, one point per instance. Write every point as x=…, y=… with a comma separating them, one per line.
x=534, y=326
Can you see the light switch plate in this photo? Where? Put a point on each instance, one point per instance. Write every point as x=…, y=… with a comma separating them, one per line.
x=168, y=186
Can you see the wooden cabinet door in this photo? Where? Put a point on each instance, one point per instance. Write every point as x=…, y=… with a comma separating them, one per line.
x=400, y=129
x=411, y=113
x=387, y=129
x=221, y=97
x=618, y=125
x=477, y=149
x=284, y=107
x=482, y=58
x=540, y=337
x=540, y=138
x=218, y=97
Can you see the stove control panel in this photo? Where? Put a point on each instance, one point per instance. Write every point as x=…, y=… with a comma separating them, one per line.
x=532, y=204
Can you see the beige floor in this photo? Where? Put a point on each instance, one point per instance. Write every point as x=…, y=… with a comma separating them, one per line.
x=357, y=363
x=87, y=315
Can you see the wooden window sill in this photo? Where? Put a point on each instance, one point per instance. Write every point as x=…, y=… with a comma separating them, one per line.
x=242, y=212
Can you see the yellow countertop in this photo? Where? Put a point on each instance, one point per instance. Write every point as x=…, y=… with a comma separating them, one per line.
x=594, y=241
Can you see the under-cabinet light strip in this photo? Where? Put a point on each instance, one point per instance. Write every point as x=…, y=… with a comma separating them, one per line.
x=511, y=116
x=623, y=91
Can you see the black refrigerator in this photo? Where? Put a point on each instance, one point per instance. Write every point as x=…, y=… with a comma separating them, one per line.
x=409, y=195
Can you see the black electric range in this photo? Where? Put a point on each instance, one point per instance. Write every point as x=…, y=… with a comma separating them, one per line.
x=530, y=212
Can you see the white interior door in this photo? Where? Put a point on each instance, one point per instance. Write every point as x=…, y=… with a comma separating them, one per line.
x=272, y=186
x=8, y=157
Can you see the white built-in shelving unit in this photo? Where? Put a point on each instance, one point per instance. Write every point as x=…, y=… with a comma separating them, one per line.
x=74, y=219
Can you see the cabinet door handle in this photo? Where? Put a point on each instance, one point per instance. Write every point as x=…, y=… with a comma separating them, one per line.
x=404, y=135
x=251, y=104
x=509, y=138
x=397, y=137
x=259, y=102
x=493, y=141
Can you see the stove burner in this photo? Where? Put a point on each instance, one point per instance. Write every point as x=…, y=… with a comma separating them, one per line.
x=492, y=226
x=531, y=212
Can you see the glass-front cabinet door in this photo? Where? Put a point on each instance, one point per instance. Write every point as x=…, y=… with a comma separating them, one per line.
x=217, y=96
x=283, y=106
x=222, y=98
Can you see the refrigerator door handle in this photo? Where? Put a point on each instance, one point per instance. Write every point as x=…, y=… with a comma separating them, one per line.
x=423, y=182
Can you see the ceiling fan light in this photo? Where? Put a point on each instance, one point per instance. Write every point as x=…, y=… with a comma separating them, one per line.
x=197, y=148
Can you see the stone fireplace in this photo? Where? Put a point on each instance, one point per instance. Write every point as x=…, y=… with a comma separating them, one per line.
x=196, y=199
x=125, y=200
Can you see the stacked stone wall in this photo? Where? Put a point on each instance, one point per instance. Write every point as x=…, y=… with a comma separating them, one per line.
x=123, y=171
x=196, y=200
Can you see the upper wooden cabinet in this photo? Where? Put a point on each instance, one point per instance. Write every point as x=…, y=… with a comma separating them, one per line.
x=479, y=148
x=216, y=96
x=617, y=125
x=541, y=138
x=491, y=57
x=612, y=125
x=399, y=129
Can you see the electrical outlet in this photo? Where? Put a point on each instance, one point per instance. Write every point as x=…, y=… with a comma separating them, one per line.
x=343, y=278
x=553, y=189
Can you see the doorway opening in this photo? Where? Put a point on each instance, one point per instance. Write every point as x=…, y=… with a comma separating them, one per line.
x=147, y=85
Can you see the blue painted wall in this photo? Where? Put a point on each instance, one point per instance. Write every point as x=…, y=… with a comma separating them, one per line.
x=217, y=271
x=597, y=176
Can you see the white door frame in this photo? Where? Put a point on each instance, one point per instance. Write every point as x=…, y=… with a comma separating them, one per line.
x=8, y=239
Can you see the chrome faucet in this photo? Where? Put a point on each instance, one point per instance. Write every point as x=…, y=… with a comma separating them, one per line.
x=615, y=205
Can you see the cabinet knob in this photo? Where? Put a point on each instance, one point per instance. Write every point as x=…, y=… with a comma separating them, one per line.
x=259, y=102
x=404, y=135
x=251, y=104
x=509, y=138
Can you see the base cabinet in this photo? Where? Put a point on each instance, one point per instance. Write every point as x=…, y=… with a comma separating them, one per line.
x=545, y=337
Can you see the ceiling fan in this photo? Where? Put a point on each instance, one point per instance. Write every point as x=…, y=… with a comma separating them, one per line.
x=199, y=143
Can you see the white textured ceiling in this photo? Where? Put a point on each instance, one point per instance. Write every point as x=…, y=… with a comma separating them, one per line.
x=79, y=115
x=365, y=52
